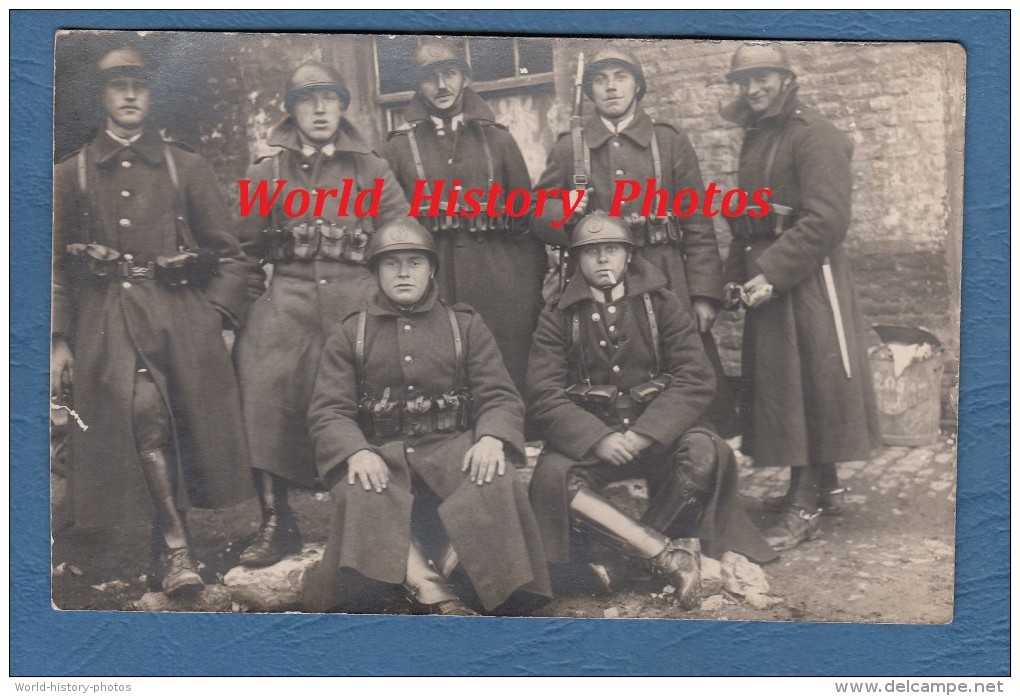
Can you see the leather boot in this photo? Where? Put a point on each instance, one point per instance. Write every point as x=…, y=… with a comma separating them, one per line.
x=797, y=525
x=177, y=571
x=278, y=536
x=678, y=561
x=428, y=589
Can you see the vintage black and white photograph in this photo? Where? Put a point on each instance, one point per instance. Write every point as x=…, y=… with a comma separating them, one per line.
x=506, y=326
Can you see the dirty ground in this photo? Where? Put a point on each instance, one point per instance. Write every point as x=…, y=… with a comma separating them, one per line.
x=890, y=558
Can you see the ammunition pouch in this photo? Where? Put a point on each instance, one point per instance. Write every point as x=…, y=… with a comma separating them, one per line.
x=195, y=268
x=658, y=231
x=321, y=239
x=608, y=403
x=480, y=225
x=767, y=227
x=187, y=268
x=386, y=418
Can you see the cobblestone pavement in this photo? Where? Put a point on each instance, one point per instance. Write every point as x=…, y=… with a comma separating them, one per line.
x=889, y=558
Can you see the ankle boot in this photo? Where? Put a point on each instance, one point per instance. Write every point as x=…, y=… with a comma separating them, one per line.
x=678, y=561
x=278, y=535
x=428, y=589
x=177, y=571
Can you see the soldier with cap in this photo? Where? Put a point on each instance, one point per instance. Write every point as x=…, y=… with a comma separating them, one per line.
x=146, y=275
x=618, y=384
x=621, y=142
x=492, y=263
x=807, y=393
x=413, y=407
x=319, y=276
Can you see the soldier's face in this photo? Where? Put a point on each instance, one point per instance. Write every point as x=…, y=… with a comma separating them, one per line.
x=318, y=113
x=603, y=264
x=127, y=103
x=761, y=88
x=613, y=90
x=443, y=87
x=404, y=276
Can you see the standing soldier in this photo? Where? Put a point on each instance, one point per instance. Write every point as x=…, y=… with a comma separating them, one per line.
x=493, y=264
x=147, y=273
x=620, y=141
x=618, y=383
x=319, y=276
x=414, y=404
x=807, y=395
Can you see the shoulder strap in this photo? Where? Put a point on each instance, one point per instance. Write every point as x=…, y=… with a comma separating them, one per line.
x=582, y=155
x=83, y=189
x=367, y=222
x=771, y=159
x=654, y=326
x=419, y=168
x=185, y=240
x=575, y=339
x=488, y=154
x=458, y=350
x=359, y=352
x=656, y=158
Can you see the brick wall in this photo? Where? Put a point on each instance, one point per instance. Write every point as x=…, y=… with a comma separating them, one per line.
x=894, y=100
x=901, y=104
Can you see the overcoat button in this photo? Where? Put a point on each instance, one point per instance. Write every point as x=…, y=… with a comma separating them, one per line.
x=616, y=369
x=126, y=164
x=126, y=284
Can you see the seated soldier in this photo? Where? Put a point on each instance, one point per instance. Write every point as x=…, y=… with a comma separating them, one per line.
x=413, y=403
x=617, y=383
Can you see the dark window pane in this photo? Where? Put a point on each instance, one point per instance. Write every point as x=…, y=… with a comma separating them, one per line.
x=492, y=59
x=536, y=56
x=396, y=60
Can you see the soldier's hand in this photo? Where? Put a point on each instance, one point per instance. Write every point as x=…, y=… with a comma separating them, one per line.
x=61, y=366
x=638, y=441
x=228, y=339
x=704, y=313
x=757, y=291
x=615, y=449
x=485, y=460
x=370, y=468
x=582, y=208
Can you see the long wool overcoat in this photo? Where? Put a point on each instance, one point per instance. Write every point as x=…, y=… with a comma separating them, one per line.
x=799, y=405
x=113, y=326
x=624, y=358
x=278, y=350
x=693, y=268
x=499, y=275
x=491, y=527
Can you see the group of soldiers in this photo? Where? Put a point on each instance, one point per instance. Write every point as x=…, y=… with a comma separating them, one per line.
x=386, y=358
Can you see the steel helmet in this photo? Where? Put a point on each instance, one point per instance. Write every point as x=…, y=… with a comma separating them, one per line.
x=759, y=57
x=612, y=54
x=433, y=52
x=599, y=228
x=312, y=76
x=402, y=234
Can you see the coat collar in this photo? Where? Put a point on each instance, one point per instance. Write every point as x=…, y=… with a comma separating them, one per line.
x=475, y=108
x=348, y=139
x=383, y=306
x=641, y=277
x=150, y=145
x=639, y=130
x=780, y=111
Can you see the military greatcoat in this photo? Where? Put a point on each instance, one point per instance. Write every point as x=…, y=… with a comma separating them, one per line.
x=499, y=273
x=693, y=267
x=614, y=343
x=800, y=408
x=491, y=527
x=115, y=325
x=278, y=350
